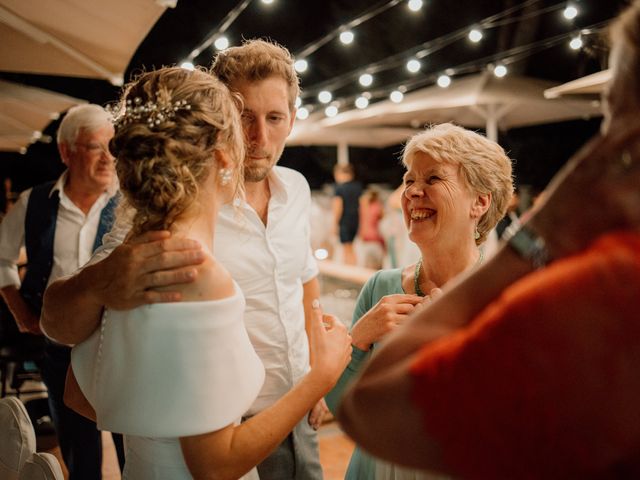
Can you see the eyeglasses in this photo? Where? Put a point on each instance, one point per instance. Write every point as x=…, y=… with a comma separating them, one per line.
x=95, y=148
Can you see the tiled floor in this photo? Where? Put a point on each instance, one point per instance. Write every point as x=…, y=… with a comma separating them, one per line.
x=335, y=451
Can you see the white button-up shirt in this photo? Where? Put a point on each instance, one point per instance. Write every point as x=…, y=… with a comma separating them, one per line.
x=74, y=236
x=270, y=263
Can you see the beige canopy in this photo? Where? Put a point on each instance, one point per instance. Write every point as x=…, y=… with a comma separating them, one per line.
x=476, y=101
x=590, y=85
x=75, y=38
x=26, y=111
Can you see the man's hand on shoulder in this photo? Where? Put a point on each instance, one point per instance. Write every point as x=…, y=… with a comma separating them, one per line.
x=144, y=268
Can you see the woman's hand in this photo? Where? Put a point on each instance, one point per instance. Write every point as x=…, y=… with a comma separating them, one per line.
x=330, y=348
x=387, y=314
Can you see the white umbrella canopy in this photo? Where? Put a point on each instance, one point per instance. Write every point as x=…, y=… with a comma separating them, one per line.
x=313, y=133
x=476, y=101
x=26, y=111
x=75, y=38
x=589, y=85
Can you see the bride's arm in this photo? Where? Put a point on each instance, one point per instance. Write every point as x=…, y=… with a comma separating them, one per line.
x=232, y=451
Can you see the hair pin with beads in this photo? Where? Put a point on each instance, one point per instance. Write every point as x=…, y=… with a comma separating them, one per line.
x=151, y=113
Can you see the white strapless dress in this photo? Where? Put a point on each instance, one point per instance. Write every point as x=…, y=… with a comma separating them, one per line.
x=164, y=371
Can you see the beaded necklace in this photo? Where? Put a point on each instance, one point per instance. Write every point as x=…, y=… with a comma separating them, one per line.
x=416, y=275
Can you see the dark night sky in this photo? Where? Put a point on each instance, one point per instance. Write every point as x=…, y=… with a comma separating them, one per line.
x=538, y=151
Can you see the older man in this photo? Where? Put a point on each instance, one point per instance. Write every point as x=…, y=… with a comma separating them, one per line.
x=60, y=223
x=268, y=253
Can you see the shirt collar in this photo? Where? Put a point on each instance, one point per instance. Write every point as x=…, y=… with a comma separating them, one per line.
x=278, y=185
x=62, y=179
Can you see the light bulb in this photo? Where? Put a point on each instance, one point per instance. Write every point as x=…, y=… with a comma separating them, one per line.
x=475, y=35
x=366, y=79
x=414, y=5
x=362, y=102
x=444, y=81
x=301, y=65
x=325, y=96
x=331, y=111
x=396, y=96
x=500, y=71
x=302, y=113
x=413, y=65
x=576, y=43
x=346, y=37
x=187, y=66
x=221, y=43
x=570, y=12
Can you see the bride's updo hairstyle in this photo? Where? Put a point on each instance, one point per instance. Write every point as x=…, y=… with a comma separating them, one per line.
x=168, y=124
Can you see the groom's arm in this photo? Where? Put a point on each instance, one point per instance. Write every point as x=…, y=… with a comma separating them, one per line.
x=127, y=278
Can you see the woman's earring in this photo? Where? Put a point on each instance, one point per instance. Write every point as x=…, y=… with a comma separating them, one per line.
x=476, y=234
x=225, y=174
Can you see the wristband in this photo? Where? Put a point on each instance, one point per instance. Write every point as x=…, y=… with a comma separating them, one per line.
x=528, y=244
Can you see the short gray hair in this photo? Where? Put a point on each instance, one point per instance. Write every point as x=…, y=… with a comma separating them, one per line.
x=485, y=166
x=88, y=116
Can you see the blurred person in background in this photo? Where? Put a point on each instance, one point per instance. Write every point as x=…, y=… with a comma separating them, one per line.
x=346, y=204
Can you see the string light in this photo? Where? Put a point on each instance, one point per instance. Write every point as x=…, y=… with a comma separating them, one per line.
x=570, y=12
x=425, y=49
x=325, y=96
x=301, y=65
x=475, y=35
x=414, y=5
x=576, y=43
x=346, y=37
x=366, y=79
x=413, y=65
x=362, y=102
x=221, y=43
x=444, y=81
x=396, y=96
x=187, y=66
x=331, y=111
x=302, y=113
x=418, y=53
x=500, y=71
x=267, y=2
x=298, y=102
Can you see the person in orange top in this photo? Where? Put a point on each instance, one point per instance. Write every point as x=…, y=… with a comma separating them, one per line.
x=520, y=371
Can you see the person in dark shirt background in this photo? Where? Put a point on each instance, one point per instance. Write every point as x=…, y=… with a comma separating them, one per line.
x=346, y=209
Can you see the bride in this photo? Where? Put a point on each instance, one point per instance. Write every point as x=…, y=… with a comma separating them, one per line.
x=175, y=378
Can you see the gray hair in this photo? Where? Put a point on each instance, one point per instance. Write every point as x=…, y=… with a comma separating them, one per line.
x=89, y=117
x=485, y=167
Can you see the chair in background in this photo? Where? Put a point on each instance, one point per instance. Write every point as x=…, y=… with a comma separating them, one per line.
x=18, y=458
x=41, y=466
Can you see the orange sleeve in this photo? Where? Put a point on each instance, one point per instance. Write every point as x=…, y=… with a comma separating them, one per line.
x=545, y=382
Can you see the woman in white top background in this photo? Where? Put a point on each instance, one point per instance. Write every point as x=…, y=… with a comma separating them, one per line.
x=175, y=378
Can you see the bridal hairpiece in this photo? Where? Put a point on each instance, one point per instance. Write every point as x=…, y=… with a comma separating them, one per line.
x=151, y=113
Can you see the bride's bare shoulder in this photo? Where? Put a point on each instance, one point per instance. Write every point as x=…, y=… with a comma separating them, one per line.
x=213, y=282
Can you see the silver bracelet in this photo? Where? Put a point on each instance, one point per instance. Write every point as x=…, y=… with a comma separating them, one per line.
x=527, y=243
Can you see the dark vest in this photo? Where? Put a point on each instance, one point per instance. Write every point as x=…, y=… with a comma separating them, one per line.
x=39, y=234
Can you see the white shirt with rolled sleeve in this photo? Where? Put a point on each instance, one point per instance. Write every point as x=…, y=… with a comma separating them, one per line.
x=74, y=236
x=270, y=263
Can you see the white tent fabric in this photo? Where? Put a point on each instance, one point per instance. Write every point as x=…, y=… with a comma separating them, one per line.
x=589, y=85
x=75, y=38
x=26, y=111
x=475, y=101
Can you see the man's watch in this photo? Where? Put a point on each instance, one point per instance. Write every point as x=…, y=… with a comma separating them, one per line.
x=527, y=243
